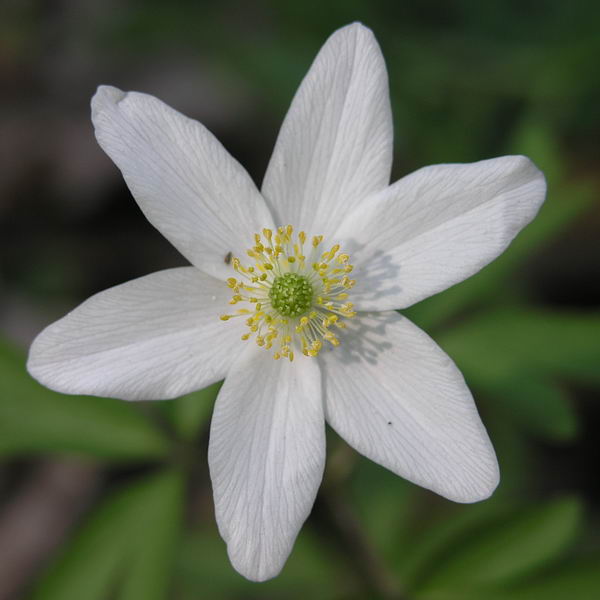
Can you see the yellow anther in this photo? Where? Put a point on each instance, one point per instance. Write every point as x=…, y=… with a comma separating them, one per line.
x=225, y=317
x=245, y=336
x=291, y=259
x=331, y=338
x=302, y=237
x=231, y=282
x=268, y=233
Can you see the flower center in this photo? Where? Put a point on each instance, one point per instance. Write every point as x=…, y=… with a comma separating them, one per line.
x=291, y=294
x=297, y=293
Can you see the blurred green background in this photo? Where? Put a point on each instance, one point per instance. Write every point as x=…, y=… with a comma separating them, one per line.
x=106, y=500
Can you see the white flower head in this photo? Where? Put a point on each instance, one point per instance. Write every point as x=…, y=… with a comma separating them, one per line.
x=309, y=270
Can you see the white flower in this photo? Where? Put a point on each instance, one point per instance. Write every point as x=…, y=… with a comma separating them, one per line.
x=378, y=380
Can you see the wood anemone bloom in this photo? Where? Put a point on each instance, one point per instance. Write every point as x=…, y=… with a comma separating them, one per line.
x=291, y=296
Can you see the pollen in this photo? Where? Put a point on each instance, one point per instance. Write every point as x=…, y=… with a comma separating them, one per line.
x=294, y=295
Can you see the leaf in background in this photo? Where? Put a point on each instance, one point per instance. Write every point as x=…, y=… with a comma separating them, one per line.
x=35, y=419
x=518, y=341
x=516, y=357
x=128, y=543
x=191, y=412
x=386, y=505
x=542, y=408
x=156, y=539
x=535, y=138
x=578, y=579
x=436, y=535
x=205, y=572
x=507, y=549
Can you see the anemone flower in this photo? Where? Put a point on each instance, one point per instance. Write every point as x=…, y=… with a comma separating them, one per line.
x=291, y=297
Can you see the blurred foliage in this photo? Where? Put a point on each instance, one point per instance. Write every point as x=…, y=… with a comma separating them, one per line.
x=469, y=80
x=35, y=419
x=128, y=545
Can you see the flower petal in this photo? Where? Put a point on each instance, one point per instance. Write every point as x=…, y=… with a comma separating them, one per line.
x=188, y=186
x=266, y=458
x=335, y=145
x=436, y=227
x=397, y=398
x=152, y=338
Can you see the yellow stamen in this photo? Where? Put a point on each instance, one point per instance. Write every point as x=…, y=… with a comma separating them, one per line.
x=295, y=295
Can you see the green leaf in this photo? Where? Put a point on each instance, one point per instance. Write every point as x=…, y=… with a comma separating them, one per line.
x=523, y=342
x=579, y=580
x=156, y=540
x=191, y=412
x=542, y=408
x=534, y=138
x=35, y=419
x=507, y=549
x=127, y=543
x=204, y=571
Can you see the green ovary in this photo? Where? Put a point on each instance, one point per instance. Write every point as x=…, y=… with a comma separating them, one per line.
x=291, y=294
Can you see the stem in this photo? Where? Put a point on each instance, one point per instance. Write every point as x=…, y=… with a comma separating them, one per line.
x=336, y=514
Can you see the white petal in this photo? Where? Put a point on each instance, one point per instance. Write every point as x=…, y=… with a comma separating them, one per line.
x=397, y=398
x=188, y=186
x=152, y=338
x=266, y=458
x=436, y=227
x=335, y=145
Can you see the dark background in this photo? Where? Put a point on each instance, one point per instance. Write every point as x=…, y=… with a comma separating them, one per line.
x=101, y=499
